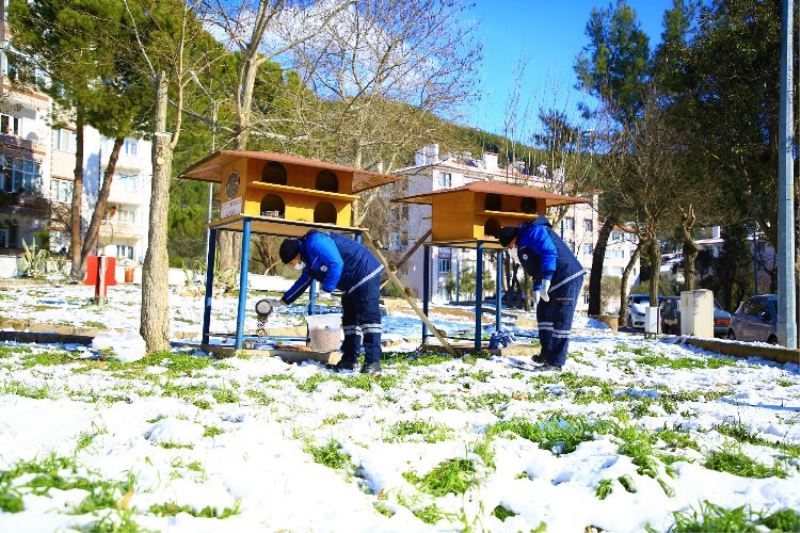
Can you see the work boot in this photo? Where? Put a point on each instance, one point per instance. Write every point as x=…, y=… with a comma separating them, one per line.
x=373, y=369
x=539, y=359
x=547, y=367
x=345, y=365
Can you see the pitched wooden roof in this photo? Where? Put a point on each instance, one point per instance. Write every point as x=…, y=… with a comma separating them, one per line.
x=210, y=167
x=503, y=189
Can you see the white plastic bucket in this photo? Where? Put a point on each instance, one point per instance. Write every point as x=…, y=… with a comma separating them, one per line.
x=324, y=332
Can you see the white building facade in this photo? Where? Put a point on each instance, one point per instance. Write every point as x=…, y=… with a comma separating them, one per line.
x=578, y=228
x=36, y=182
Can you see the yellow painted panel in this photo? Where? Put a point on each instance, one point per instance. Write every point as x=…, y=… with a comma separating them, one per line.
x=452, y=216
x=301, y=176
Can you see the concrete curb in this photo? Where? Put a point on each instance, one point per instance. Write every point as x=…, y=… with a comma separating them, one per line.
x=773, y=353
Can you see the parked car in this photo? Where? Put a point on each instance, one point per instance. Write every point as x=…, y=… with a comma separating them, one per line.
x=637, y=303
x=671, y=317
x=756, y=320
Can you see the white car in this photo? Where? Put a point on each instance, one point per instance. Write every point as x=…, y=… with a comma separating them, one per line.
x=637, y=303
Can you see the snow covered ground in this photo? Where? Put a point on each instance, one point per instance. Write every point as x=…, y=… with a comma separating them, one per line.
x=630, y=433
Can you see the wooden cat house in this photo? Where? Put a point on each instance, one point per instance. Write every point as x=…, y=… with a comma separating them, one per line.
x=477, y=211
x=282, y=194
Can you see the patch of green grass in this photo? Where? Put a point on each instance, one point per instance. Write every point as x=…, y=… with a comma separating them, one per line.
x=559, y=434
x=783, y=520
x=483, y=375
x=737, y=430
x=675, y=438
x=272, y=378
x=365, y=381
x=177, y=363
x=428, y=431
x=627, y=483
x=712, y=518
x=784, y=383
x=485, y=450
x=94, y=324
x=502, y=512
x=429, y=514
x=492, y=401
x=330, y=455
x=339, y=397
x=46, y=358
x=648, y=357
x=184, y=392
x=169, y=445
x=312, y=383
x=225, y=396
x=450, y=476
x=260, y=397
x=428, y=359
x=331, y=420
x=383, y=509
x=10, y=499
x=638, y=445
x=201, y=403
x=604, y=489
x=20, y=389
x=12, y=349
x=172, y=509
x=733, y=461
x=212, y=431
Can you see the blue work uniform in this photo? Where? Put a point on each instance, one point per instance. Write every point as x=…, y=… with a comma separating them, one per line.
x=544, y=255
x=338, y=262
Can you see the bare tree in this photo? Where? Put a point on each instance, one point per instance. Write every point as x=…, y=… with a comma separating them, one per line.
x=168, y=35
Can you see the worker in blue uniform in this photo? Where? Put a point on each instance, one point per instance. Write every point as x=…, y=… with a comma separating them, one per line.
x=338, y=262
x=557, y=277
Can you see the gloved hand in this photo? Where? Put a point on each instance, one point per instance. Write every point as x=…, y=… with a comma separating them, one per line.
x=536, y=295
x=545, y=290
x=276, y=302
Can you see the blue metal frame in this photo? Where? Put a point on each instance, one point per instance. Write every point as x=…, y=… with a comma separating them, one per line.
x=426, y=287
x=498, y=327
x=243, y=271
x=212, y=250
x=478, y=294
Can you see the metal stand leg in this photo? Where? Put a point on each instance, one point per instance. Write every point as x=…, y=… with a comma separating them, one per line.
x=478, y=295
x=212, y=249
x=240, y=316
x=498, y=325
x=426, y=286
x=312, y=297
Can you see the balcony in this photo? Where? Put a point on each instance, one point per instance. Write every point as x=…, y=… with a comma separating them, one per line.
x=15, y=145
x=114, y=232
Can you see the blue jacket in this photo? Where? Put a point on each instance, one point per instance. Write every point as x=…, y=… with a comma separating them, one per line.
x=335, y=261
x=544, y=255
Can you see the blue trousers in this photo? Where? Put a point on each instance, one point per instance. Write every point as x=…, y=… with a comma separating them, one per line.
x=361, y=321
x=555, y=321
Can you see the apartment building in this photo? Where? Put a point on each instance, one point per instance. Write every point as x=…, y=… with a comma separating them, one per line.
x=37, y=161
x=431, y=172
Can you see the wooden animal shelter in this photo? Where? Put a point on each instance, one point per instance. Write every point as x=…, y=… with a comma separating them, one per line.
x=471, y=217
x=275, y=194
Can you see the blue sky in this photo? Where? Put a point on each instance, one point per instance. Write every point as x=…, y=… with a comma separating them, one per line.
x=550, y=34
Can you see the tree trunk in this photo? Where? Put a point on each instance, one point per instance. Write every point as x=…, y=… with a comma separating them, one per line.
x=690, y=249
x=690, y=253
x=655, y=270
x=623, y=288
x=598, y=257
x=155, y=290
x=77, y=200
x=93, y=233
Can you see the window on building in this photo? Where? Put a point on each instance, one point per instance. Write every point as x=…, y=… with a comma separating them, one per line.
x=20, y=175
x=9, y=124
x=64, y=140
x=126, y=216
x=444, y=180
x=569, y=223
x=616, y=236
x=131, y=147
x=60, y=190
x=444, y=265
x=126, y=183
x=620, y=271
x=588, y=225
x=4, y=234
x=124, y=250
x=586, y=298
x=588, y=249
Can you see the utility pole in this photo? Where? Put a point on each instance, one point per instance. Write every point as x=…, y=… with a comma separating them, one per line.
x=787, y=322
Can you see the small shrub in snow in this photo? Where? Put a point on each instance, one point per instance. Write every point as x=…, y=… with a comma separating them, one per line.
x=502, y=513
x=711, y=517
x=733, y=461
x=330, y=455
x=450, y=476
x=604, y=488
x=428, y=431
